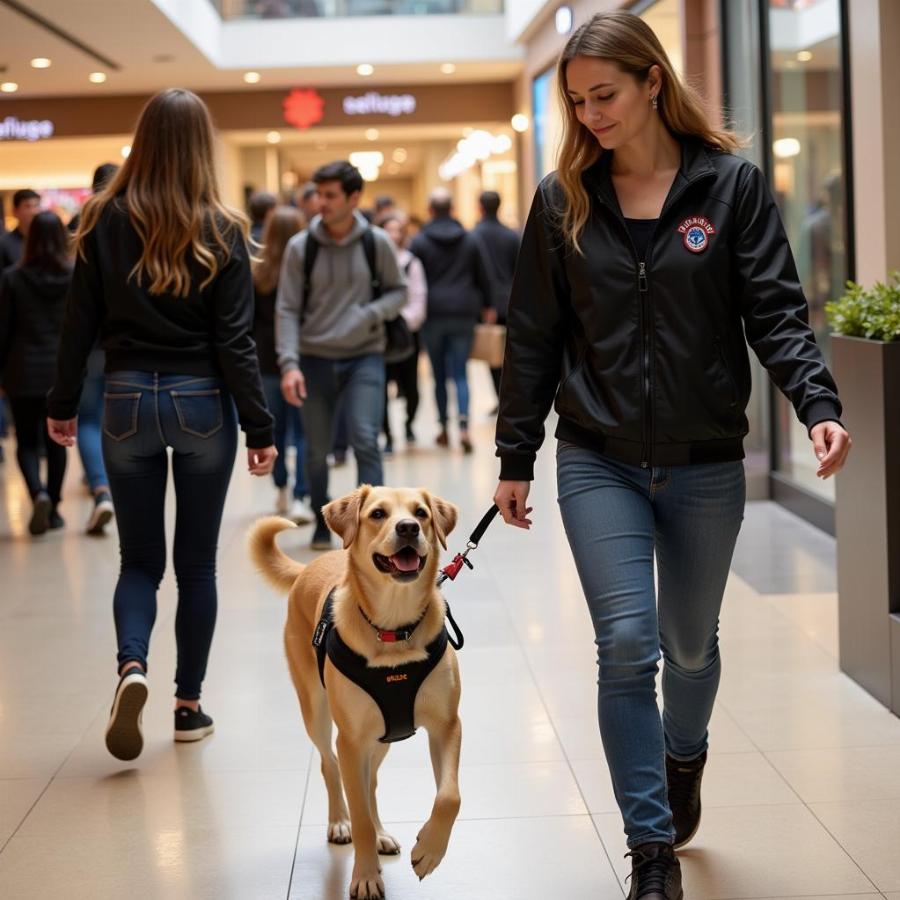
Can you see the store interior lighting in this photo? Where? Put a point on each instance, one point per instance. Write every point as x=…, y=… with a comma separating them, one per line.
x=785, y=148
x=365, y=70
x=478, y=147
x=520, y=122
x=9, y=87
x=97, y=77
x=369, y=162
x=126, y=151
x=41, y=62
x=252, y=77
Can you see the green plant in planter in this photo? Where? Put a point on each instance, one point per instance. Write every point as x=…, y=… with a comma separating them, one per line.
x=872, y=314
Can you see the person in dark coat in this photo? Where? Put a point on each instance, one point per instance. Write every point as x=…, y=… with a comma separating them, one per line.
x=32, y=304
x=26, y=205
x=459, y=294
x=501, y=249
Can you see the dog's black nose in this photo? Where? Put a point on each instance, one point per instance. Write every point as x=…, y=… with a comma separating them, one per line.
x=408, y=528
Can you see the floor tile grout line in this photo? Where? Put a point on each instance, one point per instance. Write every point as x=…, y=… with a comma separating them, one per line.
x=300, y=824
x=537, y=687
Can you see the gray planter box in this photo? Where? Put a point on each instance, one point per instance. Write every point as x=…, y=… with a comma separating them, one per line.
x=867, y=516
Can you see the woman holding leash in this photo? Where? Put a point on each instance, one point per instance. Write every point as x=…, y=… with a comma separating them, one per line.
x=163, y=275
x=647, y=257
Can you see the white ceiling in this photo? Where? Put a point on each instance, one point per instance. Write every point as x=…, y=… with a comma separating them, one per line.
x=134, y=34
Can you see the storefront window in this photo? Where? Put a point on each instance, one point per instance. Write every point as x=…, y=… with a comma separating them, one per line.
x=808, y=178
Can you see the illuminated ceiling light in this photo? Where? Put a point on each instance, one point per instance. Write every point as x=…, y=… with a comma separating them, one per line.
x=400, y=155
x=564, y=20
x=97, y=77
x=804, y=56
x=785, y=148
x=365, y=70
x=368, y=162
x=502, y=144
x=9, y=87
x=448, y=68
x=126, y=151
x=371, y=134
x=520, y=122
x=41, y=62
x=252, y=77
x=273, y=137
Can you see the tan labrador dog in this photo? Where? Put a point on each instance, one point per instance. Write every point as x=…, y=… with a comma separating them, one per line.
x=387, y=573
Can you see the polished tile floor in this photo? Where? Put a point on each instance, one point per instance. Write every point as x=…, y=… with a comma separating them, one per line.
x=803, y=789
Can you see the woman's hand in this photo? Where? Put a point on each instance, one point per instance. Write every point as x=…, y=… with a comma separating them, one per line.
x=260, y=460
x=63, y=431
x=831, y=444
x=511, y=497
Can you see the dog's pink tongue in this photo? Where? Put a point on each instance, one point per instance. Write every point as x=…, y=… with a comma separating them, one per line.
x=405, y=562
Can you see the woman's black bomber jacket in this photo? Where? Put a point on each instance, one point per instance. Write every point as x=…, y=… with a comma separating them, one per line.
x=647, y=359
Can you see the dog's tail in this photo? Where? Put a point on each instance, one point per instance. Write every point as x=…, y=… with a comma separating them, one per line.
x=275, y=566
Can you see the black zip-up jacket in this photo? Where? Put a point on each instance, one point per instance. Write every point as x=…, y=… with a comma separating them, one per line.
x=32, y=304
x=459, y=285
x=501, y=250
x=647, y=358
x=207, y=333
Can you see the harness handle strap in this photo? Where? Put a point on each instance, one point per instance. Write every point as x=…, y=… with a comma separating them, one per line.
x=457, y=641
x=482, y=526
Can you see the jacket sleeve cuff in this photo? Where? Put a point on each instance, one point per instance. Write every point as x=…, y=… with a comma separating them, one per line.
x=256, y=440
x=517, y=467
x=822, y=410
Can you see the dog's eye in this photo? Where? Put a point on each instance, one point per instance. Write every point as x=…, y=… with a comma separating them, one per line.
x=377, y=514
x=421, y=513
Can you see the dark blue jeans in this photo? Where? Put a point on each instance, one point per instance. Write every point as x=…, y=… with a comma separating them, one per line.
x=615, y=517
x=448, y=342
x=90, y=442
x=356, y=384
x=143, y=414
x=288, y=428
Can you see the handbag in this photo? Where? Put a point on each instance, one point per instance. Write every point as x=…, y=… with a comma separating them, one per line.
x=489, y=344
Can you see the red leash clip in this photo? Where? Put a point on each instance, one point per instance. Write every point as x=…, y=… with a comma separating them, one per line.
x=452, y=570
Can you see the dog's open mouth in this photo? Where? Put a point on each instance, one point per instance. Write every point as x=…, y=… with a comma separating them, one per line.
x=405, y=564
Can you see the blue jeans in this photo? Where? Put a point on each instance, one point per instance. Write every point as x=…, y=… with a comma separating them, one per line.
x=288, y=427
x=615, y=516
x=357, y=385
x=448, y=342
x=143, y=414
x=90, y=444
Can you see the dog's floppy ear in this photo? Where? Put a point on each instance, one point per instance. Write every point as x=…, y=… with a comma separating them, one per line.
x=444, y=514
x=342, y=516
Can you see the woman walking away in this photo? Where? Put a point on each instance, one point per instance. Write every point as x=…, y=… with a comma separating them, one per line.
x=405, y=373
x=32, y=305
x=163, y=274
x=281, y=225
x=647, y=257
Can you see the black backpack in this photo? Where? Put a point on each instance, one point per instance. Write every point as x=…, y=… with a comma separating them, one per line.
x=400, y=342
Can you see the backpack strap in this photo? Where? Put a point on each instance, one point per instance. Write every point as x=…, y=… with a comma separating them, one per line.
x=368, y=242
x=310, y=252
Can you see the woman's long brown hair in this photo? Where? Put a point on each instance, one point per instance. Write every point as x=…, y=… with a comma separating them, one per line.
x=628, y=41
x=169, y=189
x=283, y=224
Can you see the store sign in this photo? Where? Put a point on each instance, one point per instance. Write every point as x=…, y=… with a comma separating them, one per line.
x=13, y=129
x=303, y=108
x=375, y=104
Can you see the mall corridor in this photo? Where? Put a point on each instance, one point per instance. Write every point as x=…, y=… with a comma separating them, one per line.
x=802, y=795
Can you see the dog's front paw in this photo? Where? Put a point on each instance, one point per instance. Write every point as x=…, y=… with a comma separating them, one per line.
x=387, y=845
x=430, y=848
x=366, y=887
x=339, y=832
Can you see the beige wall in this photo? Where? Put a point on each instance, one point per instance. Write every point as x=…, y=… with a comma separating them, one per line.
x=874, y=77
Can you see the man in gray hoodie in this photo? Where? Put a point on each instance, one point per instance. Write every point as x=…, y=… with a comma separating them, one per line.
x=330, y=329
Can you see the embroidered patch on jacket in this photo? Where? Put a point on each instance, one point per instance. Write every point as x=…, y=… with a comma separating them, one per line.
x=696, y=231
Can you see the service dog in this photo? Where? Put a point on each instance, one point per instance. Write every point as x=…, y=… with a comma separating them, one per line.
x=388, y=615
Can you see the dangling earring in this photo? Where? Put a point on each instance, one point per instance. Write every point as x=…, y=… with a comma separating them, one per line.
x=655, y=103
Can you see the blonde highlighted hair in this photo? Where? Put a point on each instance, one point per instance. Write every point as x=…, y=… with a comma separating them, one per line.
x=169, y=189
x=283, y=223
x=628, y=41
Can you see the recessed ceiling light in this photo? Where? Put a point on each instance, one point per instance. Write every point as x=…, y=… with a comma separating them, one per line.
x=252, y=77
x=40, y=62
x=400, y=155
x=97, y=77
x=371, y=134
x=126, y=151
x=365, y=70
x=273, y=137
x=804, y=56
x=520, y=122
x=448, y=68
x=9, y=87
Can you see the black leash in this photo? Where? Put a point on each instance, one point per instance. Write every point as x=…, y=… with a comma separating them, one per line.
x=462, y=559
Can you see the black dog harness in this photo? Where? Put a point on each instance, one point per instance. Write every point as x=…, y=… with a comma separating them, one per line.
x=393, y=688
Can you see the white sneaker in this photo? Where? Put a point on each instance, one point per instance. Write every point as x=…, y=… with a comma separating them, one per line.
x=101, y=514
x=301, y=513
x=282, y=501
x=124, y=738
